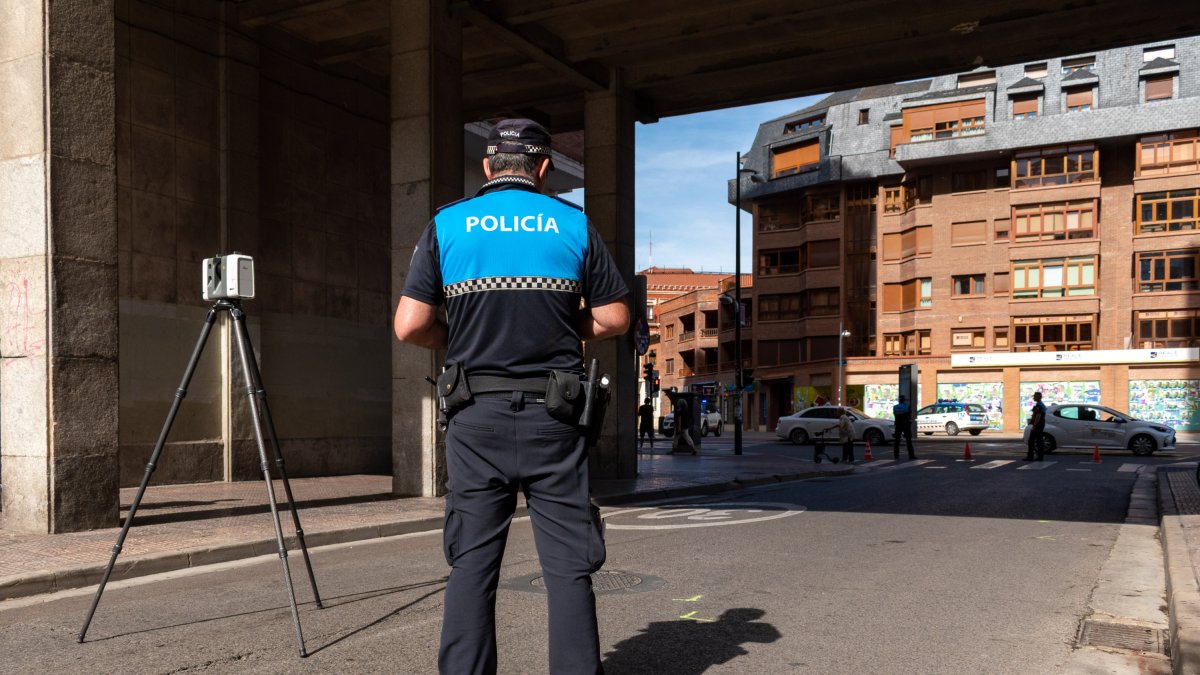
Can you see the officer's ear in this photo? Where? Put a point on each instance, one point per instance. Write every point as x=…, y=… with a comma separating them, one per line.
x=543, y=169
x=487, y=168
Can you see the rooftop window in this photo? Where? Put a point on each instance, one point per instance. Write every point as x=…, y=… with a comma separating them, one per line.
x=1160, y=52
x=1036, y=71
x=804, y=125
x=795, y=158
x=947, y=120
x=976, y=79
x=1087, y=63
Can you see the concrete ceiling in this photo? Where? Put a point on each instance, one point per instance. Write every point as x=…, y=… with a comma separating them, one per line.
x=537, y=57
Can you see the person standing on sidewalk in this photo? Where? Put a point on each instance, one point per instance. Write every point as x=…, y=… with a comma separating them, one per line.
x=683, y=427
x=513, y=267
x=646, y=423
x=1037, y=423
x=846, y=436
x=902, y=412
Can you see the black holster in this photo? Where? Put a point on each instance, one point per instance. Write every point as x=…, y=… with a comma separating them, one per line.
x=453, y=392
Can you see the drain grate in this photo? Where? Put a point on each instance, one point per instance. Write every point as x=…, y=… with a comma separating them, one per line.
x=1123, y=636
x=602, y=581
x=1184, y=490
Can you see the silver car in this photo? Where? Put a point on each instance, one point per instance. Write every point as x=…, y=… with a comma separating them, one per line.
x=1078, y=425
x=820, y=423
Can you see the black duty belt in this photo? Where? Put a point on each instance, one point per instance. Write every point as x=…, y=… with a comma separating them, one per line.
x=484, y=384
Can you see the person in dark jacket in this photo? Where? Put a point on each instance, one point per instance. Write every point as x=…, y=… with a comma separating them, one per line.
x=646, y=423
x=902, y=412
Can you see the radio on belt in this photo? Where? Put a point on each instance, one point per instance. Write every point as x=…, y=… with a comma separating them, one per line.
x=228, y=277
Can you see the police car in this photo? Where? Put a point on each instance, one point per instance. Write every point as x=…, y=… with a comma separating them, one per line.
x=1077, y=425
x=952, y=418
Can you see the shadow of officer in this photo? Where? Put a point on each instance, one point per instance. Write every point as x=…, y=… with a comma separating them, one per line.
x=689, y=646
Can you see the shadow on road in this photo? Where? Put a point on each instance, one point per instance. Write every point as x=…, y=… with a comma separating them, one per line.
x=689, y=646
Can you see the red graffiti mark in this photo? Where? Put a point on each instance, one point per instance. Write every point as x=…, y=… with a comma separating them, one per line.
x=27, y=325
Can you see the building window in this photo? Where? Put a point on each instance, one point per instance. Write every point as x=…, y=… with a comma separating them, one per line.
x=1173, y=152
x=1161, y=52
x=1001, y=229
x=1172, y=211
x=778, y=216
x=780, y=307
x=911, y=242
x=1050, y=222
x=968, y=285
x=910, y=343
x=823, y=253
x=670, y=366
x=969, y=339
x=804, y=125
x=670, y=331
x=1054, y=278
x=1000, y=283
x=908, y=295
x=778, y=352
x=1159, y=87
x=976, y=79
x=1025, y=107
x=782, y=261
x=795, y=158
x=1053, y=333
x=1161, y=271
x=820, y=302
x=1000, y=338
x=1061, y=165
x=974, y=232
x=821, y=207
x=1036, y=71
x=864, y=116
x=948, y=120
x=1079, y=100
x=1087, y=63
x=1003, y=179
x=896, y=136
x=1163, y=330
x=893, y=199
x=968, y=181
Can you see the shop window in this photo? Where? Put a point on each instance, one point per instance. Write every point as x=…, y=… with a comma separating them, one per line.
x=944, y=121
x=1173, y=211
x=967, y=285
x=1061, y=165
x=1054, y=278
x=968, y=181
x=1053, y=333
x=1000, y=338
x=909, y=243
x=1087, y=63
x=1159, y=87
x=1057, y=221
x=910, y=343
x=795, y=158
x=1174, y=152
x=1168, y=329
x=974, y=232
x=781, y=261
x=1079, y=100
x=1025, y=106
x=969, y=339
x=1163, y=271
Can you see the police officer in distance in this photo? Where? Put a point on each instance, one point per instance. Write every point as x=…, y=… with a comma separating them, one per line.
x=511, y=265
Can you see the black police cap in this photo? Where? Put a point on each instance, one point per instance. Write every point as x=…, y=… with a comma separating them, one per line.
x=519, y=136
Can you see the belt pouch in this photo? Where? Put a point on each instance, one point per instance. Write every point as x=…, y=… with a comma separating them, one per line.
x=452, y=387
x=564, y=396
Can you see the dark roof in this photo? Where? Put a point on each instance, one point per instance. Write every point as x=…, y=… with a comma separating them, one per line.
x=860, y=94
x=949, y=93
x=1159, y=64
x=1082, y=76
x=1026, y=83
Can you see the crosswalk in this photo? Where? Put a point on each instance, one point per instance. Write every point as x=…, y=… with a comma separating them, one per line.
x=1000, y=464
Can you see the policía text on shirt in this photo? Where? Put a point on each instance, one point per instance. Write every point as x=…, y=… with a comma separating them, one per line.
x=538, y=223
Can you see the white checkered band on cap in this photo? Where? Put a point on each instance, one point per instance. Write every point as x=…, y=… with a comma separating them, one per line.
x=512, y=284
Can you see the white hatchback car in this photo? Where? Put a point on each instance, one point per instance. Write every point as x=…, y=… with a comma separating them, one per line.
x=1074, y=425
x=820, y=422
x=952, y=418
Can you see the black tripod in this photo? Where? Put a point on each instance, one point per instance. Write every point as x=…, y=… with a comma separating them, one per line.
x=257, y=397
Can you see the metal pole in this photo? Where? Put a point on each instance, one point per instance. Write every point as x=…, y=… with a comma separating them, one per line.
x=737, y=309
x=841, y=339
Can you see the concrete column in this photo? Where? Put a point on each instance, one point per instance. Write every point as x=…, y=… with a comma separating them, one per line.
x=1014, y=408
x=608, y=190
x=58, y=265
x=427, y=172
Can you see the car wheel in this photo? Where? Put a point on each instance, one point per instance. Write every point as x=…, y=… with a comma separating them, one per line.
x=975, y=432
x=951, y=429
x=1048, y=444
x=1142, y=445
x=704, y=429
x=927, y=433
x=668, y=432
x=798, y=436
x=873, y=436
x=720, y=428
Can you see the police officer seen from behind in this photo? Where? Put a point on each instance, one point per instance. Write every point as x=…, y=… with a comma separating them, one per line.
x=512, y=265
x=1037, y=420
x=902, y=412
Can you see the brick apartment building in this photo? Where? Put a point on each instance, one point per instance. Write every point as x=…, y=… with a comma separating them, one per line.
x=1028, y=227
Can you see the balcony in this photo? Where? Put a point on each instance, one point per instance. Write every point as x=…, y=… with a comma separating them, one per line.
x=687, y=336
x=708, y=332
x=1164, y=157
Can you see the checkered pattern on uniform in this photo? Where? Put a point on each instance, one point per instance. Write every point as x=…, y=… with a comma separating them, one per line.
x=512, y=284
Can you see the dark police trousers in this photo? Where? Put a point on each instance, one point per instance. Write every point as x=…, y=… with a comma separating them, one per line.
x=494, y=447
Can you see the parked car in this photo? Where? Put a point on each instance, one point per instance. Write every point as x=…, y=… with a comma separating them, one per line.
x=1074, y=425
x=952, y=418
x=820, y=422
x=709, y=422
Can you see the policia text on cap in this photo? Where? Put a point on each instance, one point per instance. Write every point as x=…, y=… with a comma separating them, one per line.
x=511, y=265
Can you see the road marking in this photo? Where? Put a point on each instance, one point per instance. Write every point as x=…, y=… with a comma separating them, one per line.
x=694, y=598
x=1035, y=466
x=1078, y=469
x=691, y=616
x=935, y=467
x=910, y=464
x=1126, y=468
x=995, y=464
x=702, y=515
x=879, y=462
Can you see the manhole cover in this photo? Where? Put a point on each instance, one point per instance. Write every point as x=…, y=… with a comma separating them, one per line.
x=1123, y=636
x=604, y=581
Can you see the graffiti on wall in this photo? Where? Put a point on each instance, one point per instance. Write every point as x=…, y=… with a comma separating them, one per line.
x=1175, y=403
x=990, y=395
x=1084, y=391
x=878, y=399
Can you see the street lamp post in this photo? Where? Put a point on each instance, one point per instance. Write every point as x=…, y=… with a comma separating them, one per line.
x=737, y=300
x=842, y=335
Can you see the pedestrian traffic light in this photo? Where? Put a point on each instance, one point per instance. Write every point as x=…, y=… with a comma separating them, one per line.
x=647, y=370
x=654, y=379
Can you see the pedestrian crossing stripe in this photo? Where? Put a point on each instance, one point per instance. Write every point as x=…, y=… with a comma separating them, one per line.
x=879, y=462
x=994, y=464
x=1126, y=468
x=911, y=463
x=1035, y=466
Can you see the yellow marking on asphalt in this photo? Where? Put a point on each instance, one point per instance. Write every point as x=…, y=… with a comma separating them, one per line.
x=694, y=598
x=1046, y=537
x=691, y=616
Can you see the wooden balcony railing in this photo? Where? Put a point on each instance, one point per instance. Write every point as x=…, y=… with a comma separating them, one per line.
x=708, y=332
x=687, y=335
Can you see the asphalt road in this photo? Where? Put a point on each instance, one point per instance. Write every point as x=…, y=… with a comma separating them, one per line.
x=936, y=566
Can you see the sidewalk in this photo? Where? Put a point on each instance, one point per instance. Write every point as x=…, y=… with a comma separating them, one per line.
x=1179, y=498
x=182, y=526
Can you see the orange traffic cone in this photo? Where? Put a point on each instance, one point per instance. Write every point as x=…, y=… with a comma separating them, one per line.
x=967, y=452
x=868, y=457
x=1095, y=454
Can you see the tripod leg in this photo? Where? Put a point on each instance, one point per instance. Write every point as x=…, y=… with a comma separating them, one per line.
x=243, y=351
x=279, y=464
x=180, y=393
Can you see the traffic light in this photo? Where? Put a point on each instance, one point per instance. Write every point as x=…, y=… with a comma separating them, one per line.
x=647, y=370
x=654, y=379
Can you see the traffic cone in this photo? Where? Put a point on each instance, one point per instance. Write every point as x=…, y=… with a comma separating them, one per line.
x=1095, y=454
x=867, y=456
x=967, y=452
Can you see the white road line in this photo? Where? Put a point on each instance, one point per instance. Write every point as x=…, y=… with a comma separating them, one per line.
x=1126, y=468
x=995, y=464
x=879, y=462
x=1035, y=466
x=911, y=463
x=935, y=467
x=1078, y=469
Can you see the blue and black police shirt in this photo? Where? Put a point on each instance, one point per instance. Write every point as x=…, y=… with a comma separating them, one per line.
x=511, y=266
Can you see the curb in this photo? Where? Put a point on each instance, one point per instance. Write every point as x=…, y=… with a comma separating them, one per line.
x=1183, y=593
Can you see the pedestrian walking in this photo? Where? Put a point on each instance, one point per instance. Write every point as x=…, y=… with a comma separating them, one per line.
x=1037, y=424
x=646, y=423
x=846, y=436
x=902, y=413
x=683, y=428
x=512, y=267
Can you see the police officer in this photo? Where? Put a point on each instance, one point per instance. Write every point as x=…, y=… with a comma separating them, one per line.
x=902, y=412
x=511, y=265
x=1037, y=429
